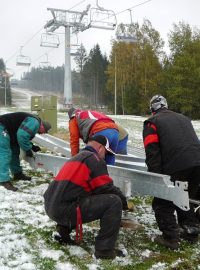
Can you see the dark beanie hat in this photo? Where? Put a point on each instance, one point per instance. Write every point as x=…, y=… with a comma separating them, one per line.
x=71, y=112
x=47, y=126
x=102, y=140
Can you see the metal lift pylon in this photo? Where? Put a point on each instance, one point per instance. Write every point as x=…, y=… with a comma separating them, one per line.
x=77, y=21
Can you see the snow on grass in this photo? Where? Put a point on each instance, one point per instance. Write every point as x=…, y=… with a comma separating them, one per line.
x=26, y=241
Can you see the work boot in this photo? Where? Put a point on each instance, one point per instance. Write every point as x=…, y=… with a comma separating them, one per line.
x=9, y=186
x=63, y=236
x=167, y=242
x=190, y=233
x=108, y=254
x=21, y=176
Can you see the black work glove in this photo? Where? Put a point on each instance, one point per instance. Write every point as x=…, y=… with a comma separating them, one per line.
x=36, y=148
x=29, y=153
x=125, y=206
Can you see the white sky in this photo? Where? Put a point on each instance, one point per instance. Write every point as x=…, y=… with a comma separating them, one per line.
x=22, y=24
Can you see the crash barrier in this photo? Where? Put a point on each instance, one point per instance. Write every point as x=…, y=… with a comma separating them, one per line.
x=135, y=160
x=132, y=182
x=62, y=147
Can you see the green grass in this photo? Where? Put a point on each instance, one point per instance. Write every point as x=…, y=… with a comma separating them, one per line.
x=143, y=254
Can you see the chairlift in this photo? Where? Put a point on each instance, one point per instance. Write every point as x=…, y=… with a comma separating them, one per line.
x=45, y=65
x=125, y=38
x=76, y=53
x=49, y=40
x=123, y=32
x=23, y=60
x=102, y=18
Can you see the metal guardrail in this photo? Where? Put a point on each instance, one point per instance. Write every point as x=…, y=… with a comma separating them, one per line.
x=62, y=147
x=54, y=144
x=130, y=181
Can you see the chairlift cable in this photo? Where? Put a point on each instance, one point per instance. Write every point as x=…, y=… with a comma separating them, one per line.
x=145, y=2
x=134, y=7
x=126, y=10
x=78, y=4
x=23, y=45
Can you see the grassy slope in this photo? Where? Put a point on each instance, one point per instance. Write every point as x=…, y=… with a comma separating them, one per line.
x=31, y=224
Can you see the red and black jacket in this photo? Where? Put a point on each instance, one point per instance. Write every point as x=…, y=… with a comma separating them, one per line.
x=170, y=142
x=83, y=175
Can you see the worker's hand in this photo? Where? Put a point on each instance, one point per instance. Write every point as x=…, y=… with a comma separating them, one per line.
x=36, y=148
x=29, y=153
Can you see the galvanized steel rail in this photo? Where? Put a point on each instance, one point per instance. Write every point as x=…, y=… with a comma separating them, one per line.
x=132, y=182
x=61, y=147
x=129, y=173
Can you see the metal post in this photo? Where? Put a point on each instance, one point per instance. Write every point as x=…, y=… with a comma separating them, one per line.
x=67, y=80
x=115, y=86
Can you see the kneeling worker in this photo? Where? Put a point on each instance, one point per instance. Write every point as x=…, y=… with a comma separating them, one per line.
x=83, y=192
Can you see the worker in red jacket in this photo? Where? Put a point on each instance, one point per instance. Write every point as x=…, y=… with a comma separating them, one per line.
x=84, y=124
x=83, y=192
x=172, y=147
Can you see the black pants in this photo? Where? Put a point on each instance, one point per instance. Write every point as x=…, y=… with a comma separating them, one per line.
x=107, y=208
x=165, y=210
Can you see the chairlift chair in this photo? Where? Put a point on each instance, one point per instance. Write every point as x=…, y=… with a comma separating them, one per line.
x=75, y=53
x=103, y=19
x=126, y=38
x=45, y=66
x=75, y=49
x=123, y=33
x=49, y=40
x=23, y=60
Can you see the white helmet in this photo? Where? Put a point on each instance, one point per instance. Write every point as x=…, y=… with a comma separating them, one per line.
x=158, y=102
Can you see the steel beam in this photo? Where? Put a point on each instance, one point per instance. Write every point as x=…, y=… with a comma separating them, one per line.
x=61, y=147
x=131, y=182
x=54, y=144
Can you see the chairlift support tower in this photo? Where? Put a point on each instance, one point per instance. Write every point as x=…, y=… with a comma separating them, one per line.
x=78, y=21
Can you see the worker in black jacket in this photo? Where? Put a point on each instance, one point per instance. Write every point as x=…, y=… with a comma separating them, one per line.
x=172, y=148
x=83, y=192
